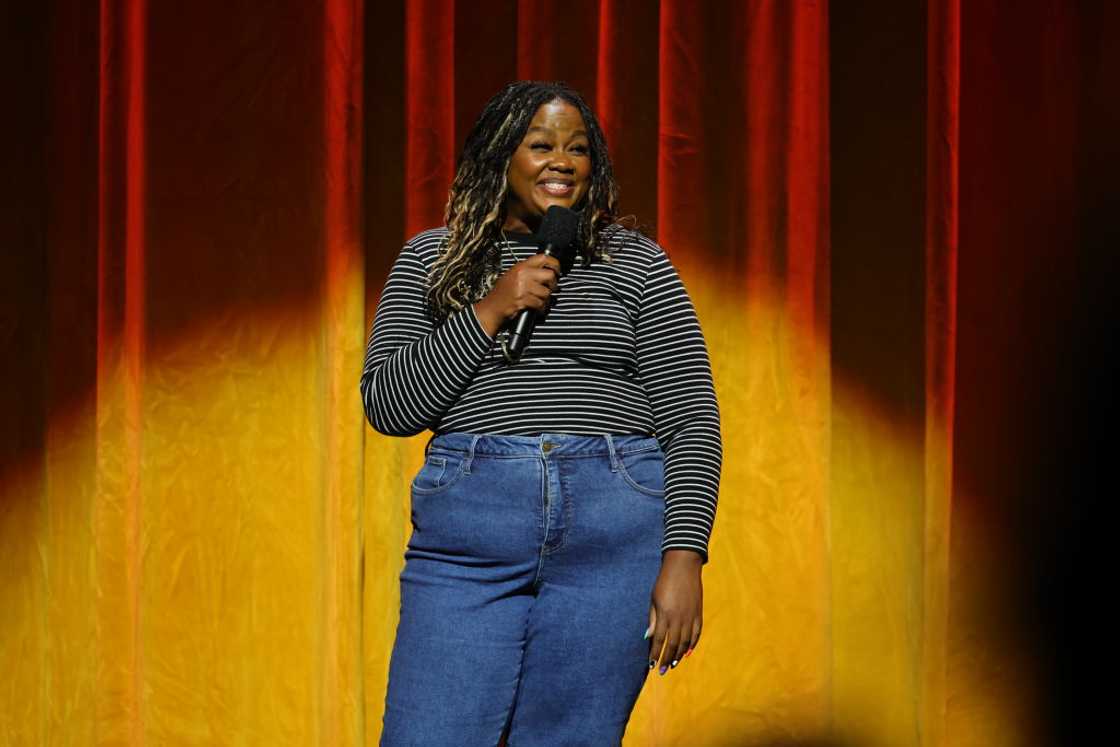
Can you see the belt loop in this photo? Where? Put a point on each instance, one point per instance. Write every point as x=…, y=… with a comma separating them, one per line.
x=610, y=447
x=470, y=453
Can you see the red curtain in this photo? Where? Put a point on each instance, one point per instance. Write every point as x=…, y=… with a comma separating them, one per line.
x=894, y=220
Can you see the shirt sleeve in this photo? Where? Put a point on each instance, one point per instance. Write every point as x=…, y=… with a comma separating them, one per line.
x=676, y=373
x=414, y=371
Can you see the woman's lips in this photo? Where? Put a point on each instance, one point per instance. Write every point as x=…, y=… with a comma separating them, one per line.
x=556, y=189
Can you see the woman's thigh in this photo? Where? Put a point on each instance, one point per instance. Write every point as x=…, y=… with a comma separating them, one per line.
x=454, y=667
x=466, y=590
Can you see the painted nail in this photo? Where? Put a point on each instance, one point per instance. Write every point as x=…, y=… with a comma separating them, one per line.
x=651, y=663
x=686, y=653
x=675, y=662
x=663, y=669
x=646, y=634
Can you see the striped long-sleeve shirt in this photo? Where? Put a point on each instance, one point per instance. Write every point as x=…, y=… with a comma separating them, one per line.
x=620, y=351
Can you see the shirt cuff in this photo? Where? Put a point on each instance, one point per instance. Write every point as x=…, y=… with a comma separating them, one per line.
x=475, y=334
x=702, y=552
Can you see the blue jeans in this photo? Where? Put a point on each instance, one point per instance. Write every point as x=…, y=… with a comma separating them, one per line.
x=526, y=591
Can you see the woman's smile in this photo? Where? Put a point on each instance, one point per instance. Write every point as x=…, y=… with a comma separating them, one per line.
x=557, y=187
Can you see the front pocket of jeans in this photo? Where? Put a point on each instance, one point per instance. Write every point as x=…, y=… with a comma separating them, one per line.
x=644, y=471
x=437, y=474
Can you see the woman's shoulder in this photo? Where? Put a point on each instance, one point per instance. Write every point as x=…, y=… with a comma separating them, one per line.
x=427, y=243
x=629, y=244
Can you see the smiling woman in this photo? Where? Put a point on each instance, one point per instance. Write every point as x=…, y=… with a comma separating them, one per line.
x=561, y=518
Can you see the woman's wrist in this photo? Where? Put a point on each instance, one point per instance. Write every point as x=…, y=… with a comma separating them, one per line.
x=682, y=559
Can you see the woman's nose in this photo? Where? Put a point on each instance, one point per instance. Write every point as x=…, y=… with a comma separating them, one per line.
x=562, y=163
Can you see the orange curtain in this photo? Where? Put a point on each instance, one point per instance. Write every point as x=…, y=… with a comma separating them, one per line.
x=888, y=216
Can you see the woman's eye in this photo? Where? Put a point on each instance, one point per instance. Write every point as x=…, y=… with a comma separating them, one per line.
x=580, y=149
x=540, y=146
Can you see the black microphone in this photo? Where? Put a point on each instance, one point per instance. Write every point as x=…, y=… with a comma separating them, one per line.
x=558, y=229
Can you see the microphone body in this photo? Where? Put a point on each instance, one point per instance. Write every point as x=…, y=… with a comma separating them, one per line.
x=525, y=323
x=558, y=229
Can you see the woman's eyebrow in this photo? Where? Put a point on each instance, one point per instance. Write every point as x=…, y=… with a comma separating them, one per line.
x=549, y=131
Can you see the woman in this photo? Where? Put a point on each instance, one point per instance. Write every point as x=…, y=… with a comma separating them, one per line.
x=562, y=515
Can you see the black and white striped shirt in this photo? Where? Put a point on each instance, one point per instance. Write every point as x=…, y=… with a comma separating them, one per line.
x=620, y=351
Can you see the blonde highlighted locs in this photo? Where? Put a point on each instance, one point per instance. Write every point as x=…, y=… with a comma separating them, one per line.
x=469, y=260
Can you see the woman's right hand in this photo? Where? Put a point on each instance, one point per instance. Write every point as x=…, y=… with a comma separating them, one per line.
x=526, y=285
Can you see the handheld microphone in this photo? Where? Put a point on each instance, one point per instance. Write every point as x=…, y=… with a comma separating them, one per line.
x=558, y=229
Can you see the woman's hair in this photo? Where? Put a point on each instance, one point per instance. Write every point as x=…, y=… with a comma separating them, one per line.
x=469, y=261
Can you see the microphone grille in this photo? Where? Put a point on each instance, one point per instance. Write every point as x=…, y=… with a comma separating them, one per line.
x=558, y=227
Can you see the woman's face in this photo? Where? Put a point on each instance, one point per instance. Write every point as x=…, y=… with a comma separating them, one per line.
x=551, y=166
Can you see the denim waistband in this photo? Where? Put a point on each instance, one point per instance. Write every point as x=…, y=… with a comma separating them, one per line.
x=550, y=444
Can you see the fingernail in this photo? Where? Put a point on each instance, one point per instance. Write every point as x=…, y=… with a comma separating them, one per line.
x=645, y=635
x=686, y=653
x=651, y=663
x=675, y=661
x=663, y=669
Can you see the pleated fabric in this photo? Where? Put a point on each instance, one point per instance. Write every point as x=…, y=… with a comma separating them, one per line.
x=875, y=209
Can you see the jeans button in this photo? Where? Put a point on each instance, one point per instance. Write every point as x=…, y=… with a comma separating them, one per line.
x=547, y=446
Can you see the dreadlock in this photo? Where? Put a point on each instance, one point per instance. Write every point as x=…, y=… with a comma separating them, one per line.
x=469, y=261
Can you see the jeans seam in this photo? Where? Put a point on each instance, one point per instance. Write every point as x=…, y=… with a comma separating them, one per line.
x=544, y=521
x=566, y=509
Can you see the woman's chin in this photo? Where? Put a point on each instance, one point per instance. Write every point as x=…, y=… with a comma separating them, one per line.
x=564, y=202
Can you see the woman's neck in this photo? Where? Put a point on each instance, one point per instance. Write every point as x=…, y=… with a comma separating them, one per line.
x=517, y=224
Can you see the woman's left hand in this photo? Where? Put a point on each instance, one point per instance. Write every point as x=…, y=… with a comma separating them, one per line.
x=676, y=608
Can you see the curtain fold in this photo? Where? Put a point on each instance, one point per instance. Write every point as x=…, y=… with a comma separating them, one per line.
x=874, y=208
x=118, y=520
x=941, y=242
x=342, y=351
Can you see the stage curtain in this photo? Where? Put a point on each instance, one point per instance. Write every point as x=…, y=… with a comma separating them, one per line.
x=875, y=208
